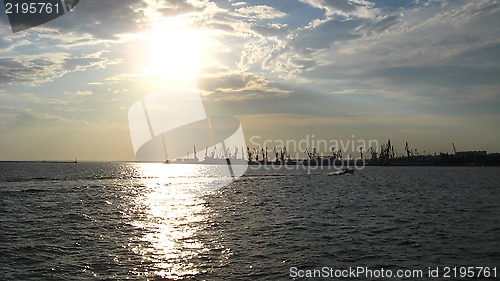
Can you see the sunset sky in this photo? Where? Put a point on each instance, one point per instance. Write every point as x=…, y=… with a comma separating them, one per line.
x=426, y=72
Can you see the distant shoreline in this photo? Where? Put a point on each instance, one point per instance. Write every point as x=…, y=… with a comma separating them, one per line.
x=42, y=161
x=367, y=163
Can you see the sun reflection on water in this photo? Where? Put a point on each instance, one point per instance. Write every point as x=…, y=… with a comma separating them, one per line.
x=174, y=211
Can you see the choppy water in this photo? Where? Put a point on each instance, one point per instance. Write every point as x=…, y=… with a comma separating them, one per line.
x=115, y=221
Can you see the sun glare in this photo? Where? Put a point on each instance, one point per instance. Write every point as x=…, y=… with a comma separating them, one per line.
x=175, y=51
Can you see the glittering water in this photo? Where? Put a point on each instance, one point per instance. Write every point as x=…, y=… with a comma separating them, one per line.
x=115, y=221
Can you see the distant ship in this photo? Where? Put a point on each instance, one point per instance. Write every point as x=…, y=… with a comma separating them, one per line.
x=345, y=171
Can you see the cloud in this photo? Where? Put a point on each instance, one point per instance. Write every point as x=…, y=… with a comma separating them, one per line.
x=420, y=47
x=379, y=25
x=326, y=33
x=42, y=68
x=20, y=118
x=425, y=59
x=6, y=44
x=232, y=85
x=238, y=3
x=260, y=12
x=103, y=19
x=75, y=41
x=326, y=59
x=83, y=93
x=174, y=8
x=31, y=98
x=278, y=48
x=346, y=8
x=124, y=78
x=424, y=53
x=276, y=30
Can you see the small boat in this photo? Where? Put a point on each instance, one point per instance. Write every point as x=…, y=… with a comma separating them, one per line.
x=342, y=172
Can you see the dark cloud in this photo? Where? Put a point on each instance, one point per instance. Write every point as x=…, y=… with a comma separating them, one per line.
x=33, y=70
x=486, y=56
x=332, y=59
x=213, y=83
x=271, y=30
x=10, y=63
x=5, y=43
x=297, y=101
x=325, y=34
x=102, y=19
x=380, y=25
x=174, y=8
x=346, y=8
x=442, y=76
x=342, y=5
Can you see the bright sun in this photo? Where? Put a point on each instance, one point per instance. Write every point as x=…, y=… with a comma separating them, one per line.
x=175, y=50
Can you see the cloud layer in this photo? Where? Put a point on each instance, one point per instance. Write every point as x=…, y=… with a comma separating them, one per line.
x=312, y=59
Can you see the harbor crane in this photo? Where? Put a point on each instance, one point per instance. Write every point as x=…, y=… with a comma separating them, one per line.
x=408, y=150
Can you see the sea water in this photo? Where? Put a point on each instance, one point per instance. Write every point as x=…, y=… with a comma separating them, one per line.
x=116, y=221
